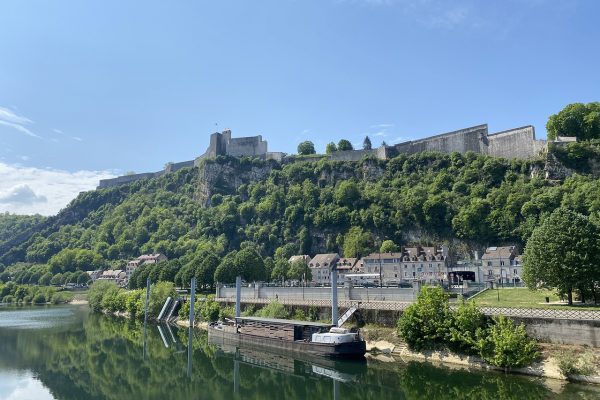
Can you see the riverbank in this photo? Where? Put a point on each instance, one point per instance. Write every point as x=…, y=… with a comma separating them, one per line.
x=384, y=341
x=383, y=344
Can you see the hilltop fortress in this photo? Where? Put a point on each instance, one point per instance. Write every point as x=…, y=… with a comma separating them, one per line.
x=517, y=143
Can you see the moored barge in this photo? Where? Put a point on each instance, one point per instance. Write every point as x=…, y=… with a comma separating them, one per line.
x=292, y=335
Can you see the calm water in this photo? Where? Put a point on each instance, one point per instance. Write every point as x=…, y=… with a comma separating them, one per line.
x=68, y=353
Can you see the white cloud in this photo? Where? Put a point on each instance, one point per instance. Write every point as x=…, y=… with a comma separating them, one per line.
x=10, y=116
x=57, y=131
x=28, y=190
x=17, y=122
x=21, y=194
x=77, y=138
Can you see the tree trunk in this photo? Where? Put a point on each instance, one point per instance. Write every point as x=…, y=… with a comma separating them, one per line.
x=570, y=297
x=582, y=295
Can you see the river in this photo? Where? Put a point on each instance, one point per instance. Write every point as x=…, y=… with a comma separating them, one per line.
x=66, y=352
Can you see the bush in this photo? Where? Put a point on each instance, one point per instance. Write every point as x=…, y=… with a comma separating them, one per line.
x=274, y=310
x=158, y=295
x=61, y=297
x=134, y=304
x=96, y=294
x=571, y=363
x=110, y=299
x=466, y=320
x=226, y=312
x=210, y=310
x=425, y=324
x=39, y=299
x=506, y=345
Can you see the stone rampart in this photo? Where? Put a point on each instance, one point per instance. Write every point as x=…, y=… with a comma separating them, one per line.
x=514, y=143
x=463, y=140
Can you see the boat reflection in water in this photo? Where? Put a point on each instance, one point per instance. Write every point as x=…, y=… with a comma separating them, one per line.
x=303, y=366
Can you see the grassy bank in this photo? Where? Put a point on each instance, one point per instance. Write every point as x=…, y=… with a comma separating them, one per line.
x=523, y=297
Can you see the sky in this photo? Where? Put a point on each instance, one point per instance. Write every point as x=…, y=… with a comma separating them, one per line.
x=90, y=90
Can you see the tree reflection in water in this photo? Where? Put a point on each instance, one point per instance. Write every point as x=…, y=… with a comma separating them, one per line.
x=100, y=357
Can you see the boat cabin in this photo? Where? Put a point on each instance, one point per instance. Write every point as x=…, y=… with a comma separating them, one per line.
x=285, y=329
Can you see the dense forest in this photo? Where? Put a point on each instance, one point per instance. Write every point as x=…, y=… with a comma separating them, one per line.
x=251, y=213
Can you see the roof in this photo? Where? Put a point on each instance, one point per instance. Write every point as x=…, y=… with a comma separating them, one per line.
x=324, y=260
x=499, y=252
x=346, y=263
x=284, y=321
x=303, y=257
x=383, y=256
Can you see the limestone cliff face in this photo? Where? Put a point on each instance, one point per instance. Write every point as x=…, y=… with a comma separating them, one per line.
x=226, y=175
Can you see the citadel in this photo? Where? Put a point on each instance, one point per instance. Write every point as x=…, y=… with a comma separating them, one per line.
x=519, y=143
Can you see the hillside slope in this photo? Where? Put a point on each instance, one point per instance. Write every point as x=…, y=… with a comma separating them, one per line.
x=466, y=201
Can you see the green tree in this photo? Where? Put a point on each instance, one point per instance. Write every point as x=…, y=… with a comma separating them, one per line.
x=577, y=119
x=367, y=143
x=357, y=242
x=298, y=270
x=280, y=271
x=344, y=145
x=330, y=148
x=305, y=148
x=96, y=293
x=45, y=279
x=563, y=253
x=426, y=323
x=388, y=246
x=506, y=345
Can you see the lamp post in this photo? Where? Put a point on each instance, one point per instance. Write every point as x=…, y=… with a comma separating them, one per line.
x=380, y=272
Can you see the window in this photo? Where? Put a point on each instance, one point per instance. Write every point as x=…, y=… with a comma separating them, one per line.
x=490, y=272
x=501, y=263
x=395, y=268
x=489, y=263
x=430, y=266
x=515, y=271
x=405, y=266
x=405, y=274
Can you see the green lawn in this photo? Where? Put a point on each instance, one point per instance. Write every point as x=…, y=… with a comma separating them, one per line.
x=522, y=297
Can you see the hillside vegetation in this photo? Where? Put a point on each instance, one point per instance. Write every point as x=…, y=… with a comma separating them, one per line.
x=305, y=207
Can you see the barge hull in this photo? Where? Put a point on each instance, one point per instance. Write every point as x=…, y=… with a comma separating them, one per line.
x=356, y=349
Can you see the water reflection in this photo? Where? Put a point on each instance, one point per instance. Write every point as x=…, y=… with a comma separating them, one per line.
x=77, y=355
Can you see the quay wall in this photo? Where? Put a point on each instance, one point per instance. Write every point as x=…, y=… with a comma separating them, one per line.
x=321, y=293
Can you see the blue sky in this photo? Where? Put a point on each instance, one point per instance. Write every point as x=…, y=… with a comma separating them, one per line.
x=96, y=89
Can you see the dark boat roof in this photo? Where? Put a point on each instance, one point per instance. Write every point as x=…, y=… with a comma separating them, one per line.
x=285, y=321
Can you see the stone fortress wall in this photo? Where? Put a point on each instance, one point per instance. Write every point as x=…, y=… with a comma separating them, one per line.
x=517, y=143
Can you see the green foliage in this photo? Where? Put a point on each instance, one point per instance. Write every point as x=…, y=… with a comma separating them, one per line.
x=572, y=363
x=563, y=253
x=246, y=263
x=300, y=271
x=39, y=299
x=466, y=321
x=306, y=148
x=158, y=295
x=357, y=242
x=507, y=345
x=388, y=246
x=426, y=323
x=367, y=143
x=577, y=119
x=344, y=145
x=96, y=294
x=274, y=310
x=76, y=259
x=330, y=148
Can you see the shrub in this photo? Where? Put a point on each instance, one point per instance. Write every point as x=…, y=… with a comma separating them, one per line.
x=274, y=310
x=134, y=304
x=210, y=310
x=39, y=299
x=61, y=297
x=226, y=312
x=109, y=299
x=96, y=294
x=466, y=320
x=506, y=345
x=27, y=299
x=425, y=324
x=158, y=295
x=571, y=363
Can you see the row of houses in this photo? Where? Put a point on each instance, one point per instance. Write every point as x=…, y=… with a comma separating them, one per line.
x=121, y=277
x=418, y=263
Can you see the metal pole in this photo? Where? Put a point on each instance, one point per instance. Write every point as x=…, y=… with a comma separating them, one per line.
x=334, y=300
x=380, y=272
x=238, y=295
x=147, y=300
x=192, y=300
x=189, y=366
